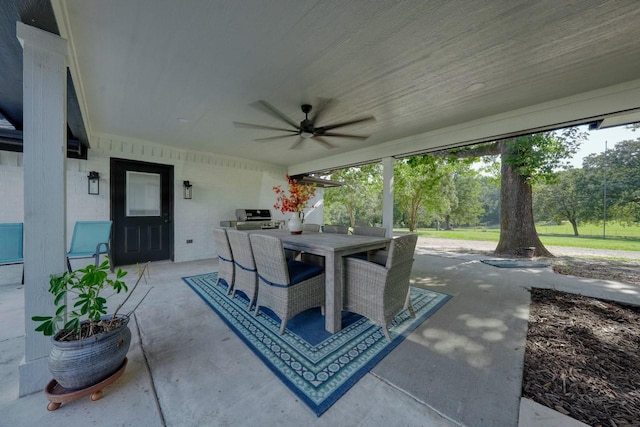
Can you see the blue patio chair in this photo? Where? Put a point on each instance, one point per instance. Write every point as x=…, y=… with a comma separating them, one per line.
x=11, y=245
x=90, y=239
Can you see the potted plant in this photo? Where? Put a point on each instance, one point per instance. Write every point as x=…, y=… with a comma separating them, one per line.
x=295, y=202
x=89, y=345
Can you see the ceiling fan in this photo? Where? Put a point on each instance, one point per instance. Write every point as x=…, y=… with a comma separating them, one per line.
x=307, y=128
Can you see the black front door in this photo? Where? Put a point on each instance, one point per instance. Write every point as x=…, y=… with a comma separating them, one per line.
x=142, y=211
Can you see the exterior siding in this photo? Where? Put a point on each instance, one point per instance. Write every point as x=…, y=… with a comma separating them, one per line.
x=220, y=185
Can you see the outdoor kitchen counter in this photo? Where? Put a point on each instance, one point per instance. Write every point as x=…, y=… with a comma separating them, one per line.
x=333, y=247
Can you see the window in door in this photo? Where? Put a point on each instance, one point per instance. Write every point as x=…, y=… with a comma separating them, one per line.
x=143, y=194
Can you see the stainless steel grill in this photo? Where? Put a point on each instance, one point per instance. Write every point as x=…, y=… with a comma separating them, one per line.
x=253, y=218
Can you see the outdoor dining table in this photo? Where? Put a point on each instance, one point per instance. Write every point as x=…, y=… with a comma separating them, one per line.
x=333, y=247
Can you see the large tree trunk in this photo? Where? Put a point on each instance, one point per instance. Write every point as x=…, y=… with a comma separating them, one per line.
x=517, y=228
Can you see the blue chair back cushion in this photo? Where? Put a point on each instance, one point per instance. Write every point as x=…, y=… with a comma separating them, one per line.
x=87, y=235
x=11, y=243
x=299, y=271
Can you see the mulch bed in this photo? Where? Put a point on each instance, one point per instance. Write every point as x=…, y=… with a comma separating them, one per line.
x=603, y=269
x=583, y=358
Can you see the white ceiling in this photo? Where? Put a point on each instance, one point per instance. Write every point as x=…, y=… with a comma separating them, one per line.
x=179, y=73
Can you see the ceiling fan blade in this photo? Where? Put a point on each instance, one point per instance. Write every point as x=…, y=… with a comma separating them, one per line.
x=278, y=113
x=324, y=102
x=252, y=126
x=348, y=123
x=344, y=135
x=269, y=138
x=326, y=144
x=296, y=144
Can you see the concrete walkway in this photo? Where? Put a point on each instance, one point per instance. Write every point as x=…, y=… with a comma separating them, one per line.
x=463, y=366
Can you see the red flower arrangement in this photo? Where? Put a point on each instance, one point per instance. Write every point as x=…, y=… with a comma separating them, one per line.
x=299, y=195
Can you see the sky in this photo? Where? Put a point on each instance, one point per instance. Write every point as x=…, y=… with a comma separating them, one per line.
x=596, y=141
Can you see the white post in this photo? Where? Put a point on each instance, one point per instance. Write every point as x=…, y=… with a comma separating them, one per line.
x=44, y=150
x=387, y=201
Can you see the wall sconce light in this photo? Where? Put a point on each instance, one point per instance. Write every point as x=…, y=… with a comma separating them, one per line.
x=188, y=192
x=94, y=182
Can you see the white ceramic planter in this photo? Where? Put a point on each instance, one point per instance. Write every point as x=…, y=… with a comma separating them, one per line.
x=295, y=224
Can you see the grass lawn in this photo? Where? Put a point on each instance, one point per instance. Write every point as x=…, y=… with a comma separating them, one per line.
x=612, y=230
x=493, y=235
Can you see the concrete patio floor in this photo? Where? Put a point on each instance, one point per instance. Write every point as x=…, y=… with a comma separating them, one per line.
x=462, y=366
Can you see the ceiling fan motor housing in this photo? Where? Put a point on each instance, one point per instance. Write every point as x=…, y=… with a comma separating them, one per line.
x=307, y=128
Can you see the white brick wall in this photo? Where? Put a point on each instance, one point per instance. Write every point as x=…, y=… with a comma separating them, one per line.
x=220, y=185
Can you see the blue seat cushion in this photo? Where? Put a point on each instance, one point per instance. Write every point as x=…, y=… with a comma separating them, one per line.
x=360, y=255
x=300, y=271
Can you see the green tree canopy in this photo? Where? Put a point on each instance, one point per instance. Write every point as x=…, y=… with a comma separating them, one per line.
x=422, y=189
x=468, y=206
x=490, y=200
x=562, y=200
x=618, y=170
x=429, y=188
x=359, y=200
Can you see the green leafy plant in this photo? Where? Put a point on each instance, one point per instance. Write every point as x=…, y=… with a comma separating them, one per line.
x=84, y=289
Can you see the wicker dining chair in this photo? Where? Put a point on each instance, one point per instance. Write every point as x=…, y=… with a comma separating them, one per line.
x=249, y=226
x=286, y=287
x=246, y=276
x=370, y=231
x=336, y=229
x=226, y=268
x=311, y=227
x=381, y=292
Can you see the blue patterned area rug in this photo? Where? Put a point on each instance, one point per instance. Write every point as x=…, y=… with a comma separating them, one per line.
x=514, y=263
x=317, y=366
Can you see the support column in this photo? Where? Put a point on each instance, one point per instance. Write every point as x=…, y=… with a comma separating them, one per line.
x=44, y=152
x=387, y=201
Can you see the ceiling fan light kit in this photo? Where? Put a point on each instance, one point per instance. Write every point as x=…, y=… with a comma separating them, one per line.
x=307, y=128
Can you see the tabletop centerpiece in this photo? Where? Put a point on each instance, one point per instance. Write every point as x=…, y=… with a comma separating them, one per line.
x=294, y=202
